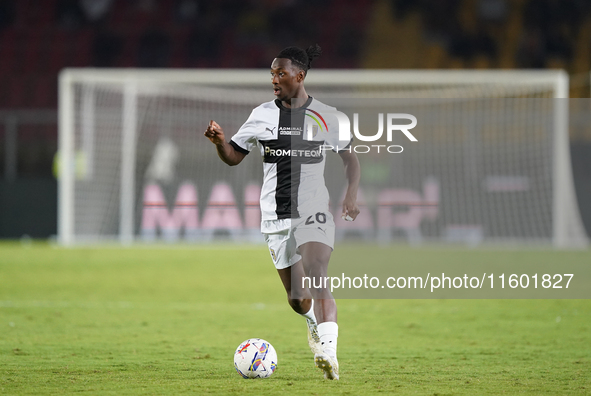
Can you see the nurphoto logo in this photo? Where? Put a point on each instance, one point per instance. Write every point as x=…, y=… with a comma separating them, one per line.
x=394, y=123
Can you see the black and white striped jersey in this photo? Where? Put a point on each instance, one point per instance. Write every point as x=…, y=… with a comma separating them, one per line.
x=292, y=143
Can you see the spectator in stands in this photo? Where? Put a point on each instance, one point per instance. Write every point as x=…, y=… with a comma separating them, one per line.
x=564, y=12
x=95, y=10
x=69, y=15
x=6, y=14
x=551, y=28
x=106, y=49
x=349, y=43
x=545, y=14
x=532, y=49
x=253, y=27
x=232, y=9
x=147, y=6
x=282, y=20
x=461, y=44
x=204, y=43
x=494, y=11
x=154, y=48
x=186, y=11
x=285, y=17
x=484, y=44
x=440, y=18
x=401, y=8
x=557, y=44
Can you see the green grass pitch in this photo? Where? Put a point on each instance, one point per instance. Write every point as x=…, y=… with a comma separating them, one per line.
x=126, y=321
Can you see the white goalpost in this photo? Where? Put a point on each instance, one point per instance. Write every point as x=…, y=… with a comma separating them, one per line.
x=134, y=165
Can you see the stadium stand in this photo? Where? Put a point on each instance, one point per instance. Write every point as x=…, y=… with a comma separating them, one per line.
x=39, y=38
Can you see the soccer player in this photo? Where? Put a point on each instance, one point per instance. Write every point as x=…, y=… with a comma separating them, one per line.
x=292, y=136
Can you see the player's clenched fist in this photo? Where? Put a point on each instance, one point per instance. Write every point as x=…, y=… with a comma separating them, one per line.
x=350, y=209
x=215, y=133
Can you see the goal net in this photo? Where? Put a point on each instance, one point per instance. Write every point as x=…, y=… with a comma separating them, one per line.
x=491, y=165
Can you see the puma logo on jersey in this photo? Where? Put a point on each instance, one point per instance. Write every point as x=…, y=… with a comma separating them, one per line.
x=270, y=130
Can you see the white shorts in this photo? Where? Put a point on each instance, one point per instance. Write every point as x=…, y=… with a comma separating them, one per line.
x=284, y=237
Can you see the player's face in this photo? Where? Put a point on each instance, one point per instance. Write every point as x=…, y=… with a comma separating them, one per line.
x=286, y=79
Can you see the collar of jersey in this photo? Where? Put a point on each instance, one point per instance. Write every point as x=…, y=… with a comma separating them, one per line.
x=298, y=109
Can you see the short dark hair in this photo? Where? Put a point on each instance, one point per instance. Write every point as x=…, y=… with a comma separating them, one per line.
x=301, y=58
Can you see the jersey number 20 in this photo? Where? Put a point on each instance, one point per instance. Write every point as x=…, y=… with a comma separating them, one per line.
x=320, y=217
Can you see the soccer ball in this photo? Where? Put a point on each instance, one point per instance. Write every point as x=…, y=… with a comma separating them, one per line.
x=255, y=358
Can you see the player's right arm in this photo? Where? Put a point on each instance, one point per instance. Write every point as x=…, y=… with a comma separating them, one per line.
x=226, y=151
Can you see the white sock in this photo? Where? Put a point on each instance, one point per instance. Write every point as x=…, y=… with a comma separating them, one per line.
x=310, y=314
x=328, y=333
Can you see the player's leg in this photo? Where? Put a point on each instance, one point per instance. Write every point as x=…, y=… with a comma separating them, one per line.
x=289, y=267
x=315, y=258
x=300, y=300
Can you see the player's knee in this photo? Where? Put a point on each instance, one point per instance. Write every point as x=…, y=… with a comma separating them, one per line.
x=317, y=268
x=295, y=303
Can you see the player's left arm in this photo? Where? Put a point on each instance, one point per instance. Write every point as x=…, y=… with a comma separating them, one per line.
x=353, y=174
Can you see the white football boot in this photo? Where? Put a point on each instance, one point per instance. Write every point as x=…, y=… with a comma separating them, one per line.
x=313, y=337
x=328, y=364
